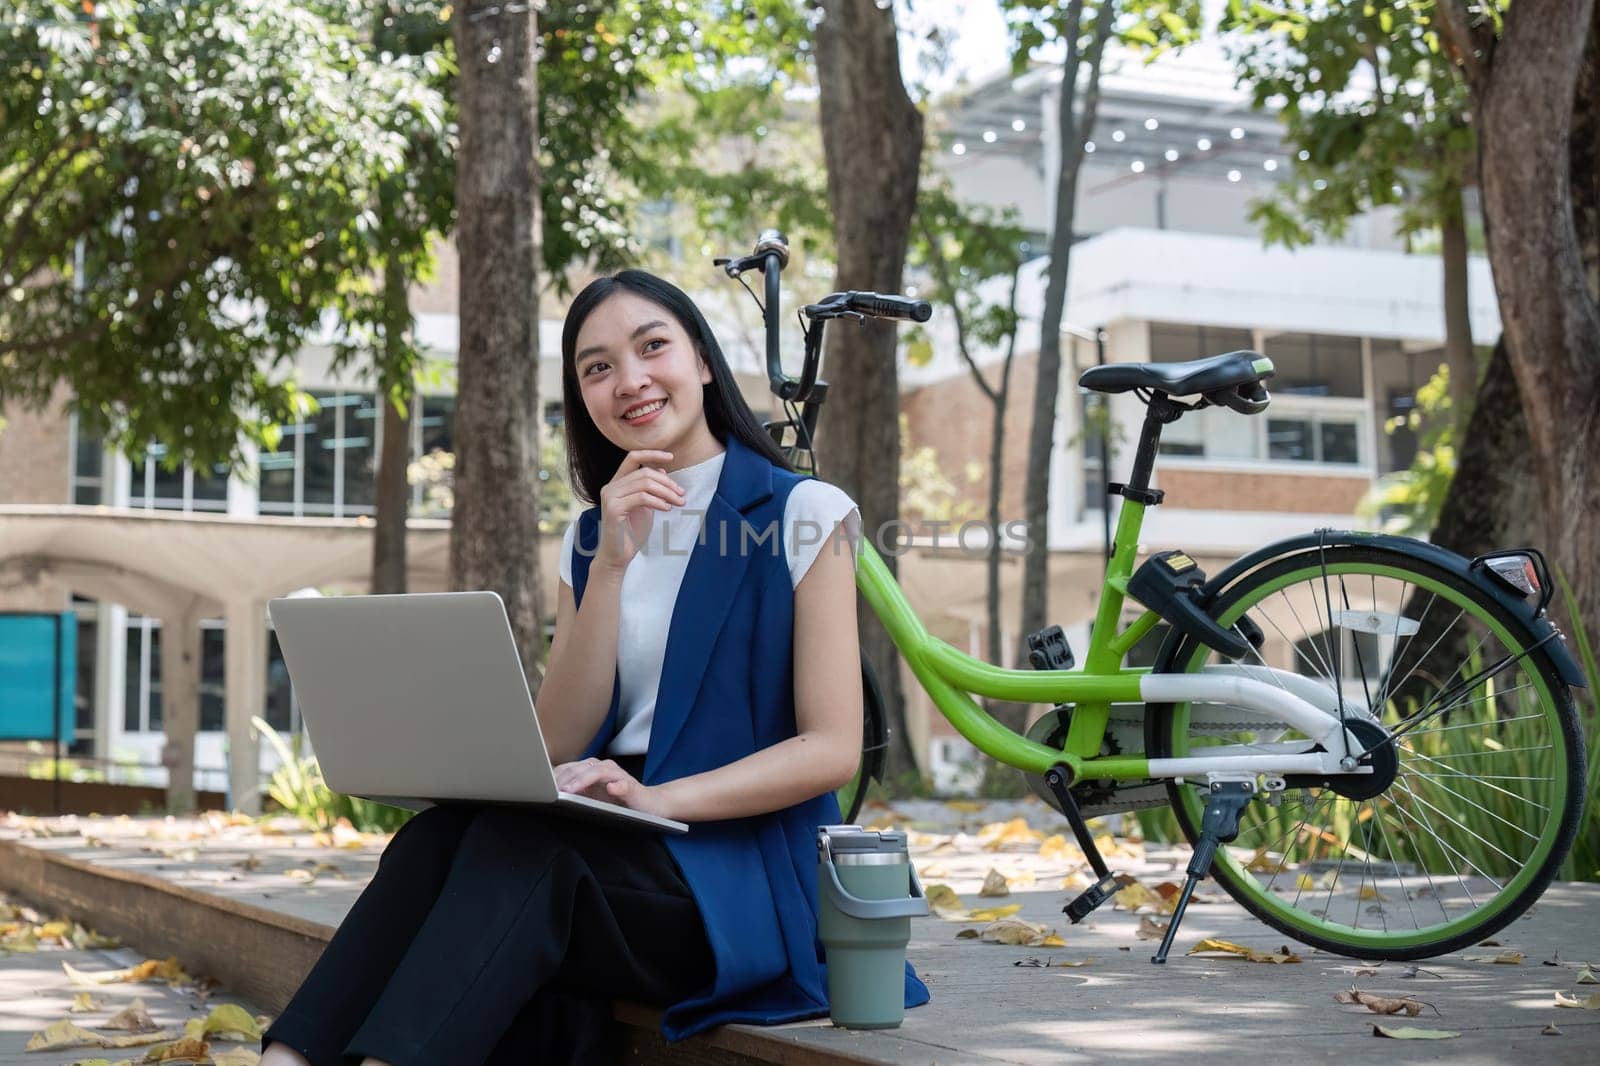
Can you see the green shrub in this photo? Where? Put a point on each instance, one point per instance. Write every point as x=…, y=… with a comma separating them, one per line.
x=298, y=788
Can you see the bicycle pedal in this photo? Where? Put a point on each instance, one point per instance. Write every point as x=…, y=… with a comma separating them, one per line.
x=1048, y=650
x=1096, y=894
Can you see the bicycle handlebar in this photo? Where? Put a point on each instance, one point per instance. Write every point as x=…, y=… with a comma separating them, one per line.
x=883, y=305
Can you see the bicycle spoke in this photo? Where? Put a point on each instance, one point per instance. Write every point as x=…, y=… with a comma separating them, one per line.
x=1474, y=777
x=1421, y=817
x=1405, y=894
x=1479, y=837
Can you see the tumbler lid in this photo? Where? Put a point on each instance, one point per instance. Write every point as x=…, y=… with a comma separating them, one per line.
x=845, y=842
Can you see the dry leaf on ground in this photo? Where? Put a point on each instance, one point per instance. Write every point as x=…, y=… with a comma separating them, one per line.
x=1590, y=1002
x=1381, y=1004
x=1133, y=896
x=1056, y=847
x=1150, y=929
x=227, y=1021
x=84, y=1003
x=1018, y=932
x=997, y=835
x=991, y=914
x=64, y=1034
x=943, y=901
x=180, y=1051
x=1505, y=958
x=1409, y=1033
x=134, y=1018
x=239, y=1056
x=1586, y=976
x=1550, y=1030
x=965, y=806
x=994, y=884
x=1212, y=946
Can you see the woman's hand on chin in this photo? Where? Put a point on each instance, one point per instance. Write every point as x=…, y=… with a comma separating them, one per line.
x=604, y=780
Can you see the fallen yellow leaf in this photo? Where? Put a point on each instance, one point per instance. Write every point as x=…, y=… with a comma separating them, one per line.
x=227, y=1021
x=84, y=1002
x=1212, y=946
x=1056, y=847
x=965, y=806
x=1135, y=895
x=997, y=835
x=991, y=914
x=943, y=901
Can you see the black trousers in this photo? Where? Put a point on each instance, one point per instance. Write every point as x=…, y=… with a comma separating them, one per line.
x=501, y=936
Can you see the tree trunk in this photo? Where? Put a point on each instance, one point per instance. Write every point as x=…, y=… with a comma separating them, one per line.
x=872, y=142
x=1041, y=435
x=1458, y=349
x=494, y=537
x=1524, y=98
x=392, y=499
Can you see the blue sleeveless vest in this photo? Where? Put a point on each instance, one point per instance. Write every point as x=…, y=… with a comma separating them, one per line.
x=727, y=690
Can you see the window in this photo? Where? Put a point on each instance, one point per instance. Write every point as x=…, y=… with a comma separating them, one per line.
x=88, y=463
x=154, y=486
x=1313, y=364
x=434, y=440
x=325, y=464
x=213, y=676
x=141, y=708
x=1315, y=438
x=283, y=712
x=1174, y=343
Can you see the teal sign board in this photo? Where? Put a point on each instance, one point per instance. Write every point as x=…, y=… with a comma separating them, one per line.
x=38, y=676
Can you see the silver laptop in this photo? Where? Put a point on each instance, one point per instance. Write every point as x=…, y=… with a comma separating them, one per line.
x=420, y=699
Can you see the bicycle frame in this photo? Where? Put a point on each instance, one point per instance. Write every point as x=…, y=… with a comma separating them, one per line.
x=951, y=678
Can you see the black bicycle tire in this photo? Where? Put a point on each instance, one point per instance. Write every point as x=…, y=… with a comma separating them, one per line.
x=874, y=741
x=1158, y=744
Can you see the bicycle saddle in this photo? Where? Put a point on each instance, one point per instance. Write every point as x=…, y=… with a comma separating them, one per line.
x=1198, y=376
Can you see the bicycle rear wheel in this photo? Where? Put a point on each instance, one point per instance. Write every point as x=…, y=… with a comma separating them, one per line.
x=1487, y=774
x=874, y=747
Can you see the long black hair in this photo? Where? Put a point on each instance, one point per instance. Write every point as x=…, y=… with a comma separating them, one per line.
x=592, y=460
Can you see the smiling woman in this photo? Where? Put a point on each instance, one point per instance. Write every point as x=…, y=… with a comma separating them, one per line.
x=694, y=673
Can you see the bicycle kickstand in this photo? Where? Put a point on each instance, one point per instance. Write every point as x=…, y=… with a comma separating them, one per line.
x=1219, y=824
x=1106, y=884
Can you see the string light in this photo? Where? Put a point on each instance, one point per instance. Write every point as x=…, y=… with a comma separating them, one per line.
x=1088, y=146
x=1137, y=166
x=1234, y=175
x=1204, y=144
x=988, y=136
x=958, y=149
x=1172, y=155
x=1018, y=125
x=1118, y=136
x=1236, y=133
x=1151, y=124
x=1270, y=165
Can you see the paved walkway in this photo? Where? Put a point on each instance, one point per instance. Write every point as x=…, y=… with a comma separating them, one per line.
x=1095, y=998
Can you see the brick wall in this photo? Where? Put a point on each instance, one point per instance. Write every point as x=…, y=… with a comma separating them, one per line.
x=1289, y=493
x=955, y=419
x=35, y=453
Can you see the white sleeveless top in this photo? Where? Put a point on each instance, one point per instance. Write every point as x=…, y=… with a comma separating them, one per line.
x=650, y=584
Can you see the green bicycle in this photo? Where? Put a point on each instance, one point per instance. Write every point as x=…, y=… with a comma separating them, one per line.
x=1369, y=740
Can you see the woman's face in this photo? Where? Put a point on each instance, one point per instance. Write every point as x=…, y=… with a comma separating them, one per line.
x=640, y=375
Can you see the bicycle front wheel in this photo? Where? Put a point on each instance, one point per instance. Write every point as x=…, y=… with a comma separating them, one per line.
x=1480, y=801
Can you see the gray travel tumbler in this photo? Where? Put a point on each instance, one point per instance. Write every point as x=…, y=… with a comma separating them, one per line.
x=868, y=894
